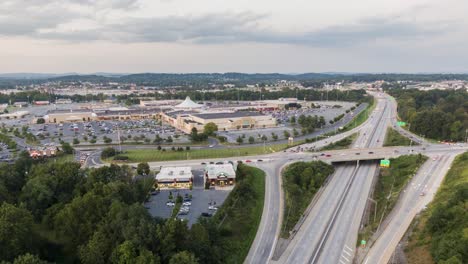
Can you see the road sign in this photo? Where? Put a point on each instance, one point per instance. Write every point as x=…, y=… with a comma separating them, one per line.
x=363, y=243
x=401, y=123
x=385, y=163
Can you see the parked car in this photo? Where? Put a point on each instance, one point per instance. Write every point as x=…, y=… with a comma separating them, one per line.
x=186, y=203
x=170, y=204
x=205, y=214
x=212, y=207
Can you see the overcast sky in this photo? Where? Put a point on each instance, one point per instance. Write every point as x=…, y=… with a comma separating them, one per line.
x=128, y=36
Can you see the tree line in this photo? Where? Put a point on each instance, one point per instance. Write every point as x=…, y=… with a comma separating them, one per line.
x=58, y=212
x=436, y=114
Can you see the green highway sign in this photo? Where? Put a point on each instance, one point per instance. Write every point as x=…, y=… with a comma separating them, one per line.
x=363, y=242
x=401, y=123
x=385, y=163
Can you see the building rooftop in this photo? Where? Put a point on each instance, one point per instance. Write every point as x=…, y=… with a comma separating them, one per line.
x=228, y=115
x=174, y=173
x=213, y=171
x=188, y=103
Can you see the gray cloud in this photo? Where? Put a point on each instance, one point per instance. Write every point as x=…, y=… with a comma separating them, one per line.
x=205, y=29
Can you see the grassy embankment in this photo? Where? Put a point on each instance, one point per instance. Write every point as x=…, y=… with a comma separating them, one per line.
x=390, y=183
x=440, y=233
x=301, y=181
x=393, y=138
x=239, y=217
x=341, y=144
x=361, y=117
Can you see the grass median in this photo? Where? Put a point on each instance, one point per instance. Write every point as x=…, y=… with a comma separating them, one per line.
x=393, y=138
x=301, y=181
x=341, y=144
x=390, y=183
x=147, y=155
x=239, y=217
x=440, y=234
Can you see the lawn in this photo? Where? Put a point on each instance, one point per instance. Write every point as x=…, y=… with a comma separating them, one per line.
x=301, y=181
x=361, y=117
x=393, y=138
x=388, y=188
x=341, y=144
x=439, y=235
x=147, y=155
x=239, y=217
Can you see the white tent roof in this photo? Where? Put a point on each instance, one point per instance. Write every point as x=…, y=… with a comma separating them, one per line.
x=188, y=103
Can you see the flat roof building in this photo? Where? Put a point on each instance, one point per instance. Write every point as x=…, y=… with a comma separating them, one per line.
x=220, y=174
x=174, y=178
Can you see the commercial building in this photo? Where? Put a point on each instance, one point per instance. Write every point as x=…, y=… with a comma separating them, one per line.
x=174, y=178
x=220, y=174
x=187, y=120
x=65, y=116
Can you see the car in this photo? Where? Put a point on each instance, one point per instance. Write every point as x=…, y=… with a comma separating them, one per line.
x=210, y=146
x=211, y=162
x=187, y=203
x=170, y=204
x=203, y=163
x=205, y=214
x=371, y=152
x=357, y=153
x=248, y=161
x=259, y=160
x=219, y=163
x=212, y=207
x=328, y=155
x=422, y=194
x=322, y=154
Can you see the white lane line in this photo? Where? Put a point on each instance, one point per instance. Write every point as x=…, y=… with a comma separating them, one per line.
x=347, y=260
x=342, y=262
x=348, y=248
x=347, y=253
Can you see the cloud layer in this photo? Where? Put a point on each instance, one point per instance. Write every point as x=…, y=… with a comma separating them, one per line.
x=118, y=21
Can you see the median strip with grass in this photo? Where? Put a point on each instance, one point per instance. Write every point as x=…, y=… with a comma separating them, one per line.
x=147, y=155
x=301, y=181
x=440, y=234
x=390, y=183
x=239, y=217
x=393, y=138
x=341, y=144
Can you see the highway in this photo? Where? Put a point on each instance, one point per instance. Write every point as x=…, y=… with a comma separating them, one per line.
x=331, y=230
x=426, y=181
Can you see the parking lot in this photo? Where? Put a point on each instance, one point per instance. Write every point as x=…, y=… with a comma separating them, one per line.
x=200, y=200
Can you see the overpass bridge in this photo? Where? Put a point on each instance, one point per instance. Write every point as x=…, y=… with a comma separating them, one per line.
x=364, y=154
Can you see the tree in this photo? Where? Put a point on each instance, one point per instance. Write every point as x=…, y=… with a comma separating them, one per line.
x=210, y=129
x=251, y=140
x=292, y=120
x=169, y=139
x=40, y=120
x=295, y=132
x=274, y=136
x=29, y=259
x=108, y=152
x=129, y=253
x=67, y=148
x=264, y=138
x=183, y=257
x=143, y=168
x=16, y=229
x=286, y=134
x=239, y=140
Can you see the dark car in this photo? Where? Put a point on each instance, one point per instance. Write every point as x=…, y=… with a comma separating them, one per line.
x=205, y=214
x=358, y=153
x=371, y=152
x=260, y=160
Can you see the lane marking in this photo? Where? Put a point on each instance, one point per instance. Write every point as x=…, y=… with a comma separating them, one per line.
x=347, y=260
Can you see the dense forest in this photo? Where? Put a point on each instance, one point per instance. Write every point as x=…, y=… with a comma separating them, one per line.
x=203, y=80
x=57, y=212
x=436, y=114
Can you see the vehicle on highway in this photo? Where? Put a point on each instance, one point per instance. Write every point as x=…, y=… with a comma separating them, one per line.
x=219, y=163
x=203, y=163
x=170, y=203
x=210, y=146
x=248, y=161
x=357, y=153
x=328, y=155
x=371, y=152
x=259, y=160
x=422, y=194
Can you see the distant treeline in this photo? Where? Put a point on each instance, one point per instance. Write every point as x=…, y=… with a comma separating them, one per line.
x=226, y=95
x=437, y=114
x=203, y=80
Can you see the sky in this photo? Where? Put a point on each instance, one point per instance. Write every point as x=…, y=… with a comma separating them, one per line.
x=294, y=36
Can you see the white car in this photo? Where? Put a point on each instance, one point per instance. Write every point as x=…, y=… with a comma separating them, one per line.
x=170, y=204
x=187, y=204
x=212, y=207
